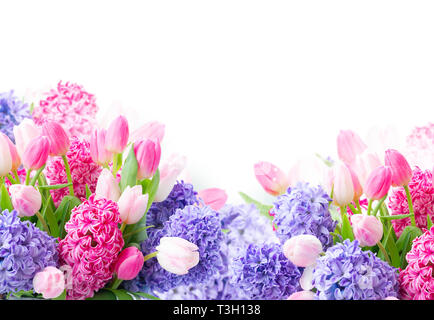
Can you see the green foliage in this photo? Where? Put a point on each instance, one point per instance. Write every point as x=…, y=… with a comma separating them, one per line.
x=129, y=170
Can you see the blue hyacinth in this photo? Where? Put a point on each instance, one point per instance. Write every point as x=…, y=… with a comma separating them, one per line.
x=12, y=112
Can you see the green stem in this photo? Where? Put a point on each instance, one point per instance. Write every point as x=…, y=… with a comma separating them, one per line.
x=380, y=245
x=149, y=256
x=11, y=179
x=36, y=176
x=116, y=283
x=354, y=210
x=68, y=175
x=123, y=226
x=136, y=231
x=115, y=165
x=358, y=206
x=28, y=177
x=44, y=223
x=377, y=207
x=369, y=207
x=410, y=205
x=17, y=177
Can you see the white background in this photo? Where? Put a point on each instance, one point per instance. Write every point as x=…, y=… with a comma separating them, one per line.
x=235, y=82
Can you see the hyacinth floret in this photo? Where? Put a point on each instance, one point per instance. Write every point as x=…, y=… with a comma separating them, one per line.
x=265, y=273
x=303, y=209
x=24, y=251
x=91, y=245
x=346, y=272
x=12, y=112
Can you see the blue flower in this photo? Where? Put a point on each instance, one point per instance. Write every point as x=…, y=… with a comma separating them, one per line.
x=12, y=112
x=303, y=209
x=24, y=251
x=346, y=272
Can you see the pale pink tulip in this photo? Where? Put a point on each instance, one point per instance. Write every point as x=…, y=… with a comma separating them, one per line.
x=302, y=250
x=98, y=151
x=169, y=172
x=358, y=190
x=272, y=179
x=50, y=282
x=25, y=199
x=5, y=156
x=349, y=145
x=107, y=187
x=177, y=255
x=15, y=158
x=117, y=135
x=364, y=164
x=343, y=188
x=302, y=295
x=368, y=230
x=152, y=130
x=132, y=204
x=213, y=197
x=26, y=131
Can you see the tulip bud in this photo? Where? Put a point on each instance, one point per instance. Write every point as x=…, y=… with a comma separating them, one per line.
x=129, y=263
x=132, y=204
x=59, y=140
x=401, y=171
x=364, y=164
x=271, y=178
x=117, y=135
x=378, y=183
x=349, y=146
x=169, y=172
x=36, y=153
x=213, y=197
x=358, y=190
x=26, y=131
x=302, y=250
x=50, y=282
x=302, y=295
x=5, y=156
x=343, y=188
x=107, y=187
x=177, y=255
x=152, y=130
x=25, y=199
x=148, y=153
x=98, y=151
x=15, y=158
x=368, y=230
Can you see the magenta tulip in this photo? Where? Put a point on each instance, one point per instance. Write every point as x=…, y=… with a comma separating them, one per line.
x=117, y=135
x=148, y=153
x=59, y=140
x=36, y=153
x=378, y=183
x=401, y=171
x=272, y=179
x=129, y=263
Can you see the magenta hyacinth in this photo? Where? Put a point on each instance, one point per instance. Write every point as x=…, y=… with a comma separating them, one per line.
x=91, y=246
x=83, y=171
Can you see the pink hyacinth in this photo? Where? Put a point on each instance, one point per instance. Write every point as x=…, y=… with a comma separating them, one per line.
x=91, y=246
x=422, y=195
x=417, y=280
x=83, y=171
x=70, y=106
x=420, y=146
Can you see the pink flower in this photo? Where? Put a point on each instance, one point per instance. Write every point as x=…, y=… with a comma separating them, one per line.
x=59, y=140
x=349, y=146
x=70, y=106
x=401, y=171
x=420, y=146
x=302, y=250
x=177, y=255
x=358, y=190
x=26, y=131
x=343, y=187
x=98, y=151
x=83, y=171
x=272, y=179
x=132, y=204
x=364, y=164
x=169, y=172
x=148, y=153
x=91, y=246
x=50, y=282
x=117, y=135
x=15, y=158
x=25, y=199
x=5, y=156
x=36, y=153
x=378, y=183
x=302, y=295
x=213, y=197
x=129, y=263
x=422, y=195
x=368, y=230
x=107, y=187
x=151, y=130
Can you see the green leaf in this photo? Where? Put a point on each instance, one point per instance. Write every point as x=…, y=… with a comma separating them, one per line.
x=88, y=192
x=391, y=248
x=146, y=295
x=405, y=241
x=63, y=212
x=103, y=295
x=120, y=294
x=49, y=216
x=428, y=222
x=263, y=208
x=54, y=186
x=129, y=170
x=347, y=231
x=5, y=200
x=61, y=297
x=395, y=216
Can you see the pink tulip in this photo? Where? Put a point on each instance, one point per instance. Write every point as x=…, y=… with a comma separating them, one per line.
x=364, y=164
x=98, y=151
x=302, y=295
x=169, y=172
x=5, y=156
x=107, y=187
x=401, y=171
x=302, y=250
x=358, y=190
x=50, y=282
x=25, y=199
x=378, y=183
x=129, y=263
x=59, y=140
x=271, y=178
x=213, y=197
x=391, y=298
x=152, y=130
x=117, y=135
x=148, y=153
x=26, y=131
x=349, y=146
x=343, y=188
x=132, y=204
x=15, y=158
x=368, y=230
x=177, y=255
x=36, y=153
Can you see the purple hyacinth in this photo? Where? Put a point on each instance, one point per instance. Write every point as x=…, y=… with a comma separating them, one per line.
x=346, y=272
x=199, y=225
x=265, y=273
x=24, y=251
x=12, y=112
x=303, y=209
